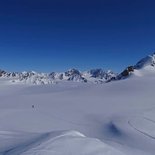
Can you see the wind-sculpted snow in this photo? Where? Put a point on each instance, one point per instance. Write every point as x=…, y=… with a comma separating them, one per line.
x=55, y=143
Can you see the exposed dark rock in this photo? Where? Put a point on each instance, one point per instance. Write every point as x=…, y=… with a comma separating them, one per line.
x=97, y=73
x=101, y=74
x=2, y=72
x=61, y=76
x=52, y=75
x=72, y=72
x=127, y=71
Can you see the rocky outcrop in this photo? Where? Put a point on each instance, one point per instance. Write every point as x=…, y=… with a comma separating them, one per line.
x=2, y=73
x=127, y=71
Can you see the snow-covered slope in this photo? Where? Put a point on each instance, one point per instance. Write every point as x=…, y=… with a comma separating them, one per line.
x=74, y=118
x=147, y=61
x=143, y=67
x=53, y=143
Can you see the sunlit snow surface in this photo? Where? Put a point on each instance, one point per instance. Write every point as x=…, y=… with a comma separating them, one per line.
x=116, y=118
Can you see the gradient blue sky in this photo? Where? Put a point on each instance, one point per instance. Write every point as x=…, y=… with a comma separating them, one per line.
x=55, y=35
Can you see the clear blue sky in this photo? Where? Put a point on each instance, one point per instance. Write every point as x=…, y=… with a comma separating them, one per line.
x=55, y=35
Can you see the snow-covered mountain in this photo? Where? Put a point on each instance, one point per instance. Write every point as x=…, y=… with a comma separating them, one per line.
x=145, y=62
x=145, y=66
x=92, y=76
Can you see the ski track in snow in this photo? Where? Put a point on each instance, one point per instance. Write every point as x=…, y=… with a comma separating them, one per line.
x=149, y=120
x=141, y=132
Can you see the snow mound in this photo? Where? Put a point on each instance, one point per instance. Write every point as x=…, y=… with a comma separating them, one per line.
x=56, y=143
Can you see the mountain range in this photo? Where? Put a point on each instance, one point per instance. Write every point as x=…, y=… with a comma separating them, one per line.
x=91, y=76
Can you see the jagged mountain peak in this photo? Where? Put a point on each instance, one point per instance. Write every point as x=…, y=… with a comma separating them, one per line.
x=101, y=74
x=73, y=71
x=145, y=66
